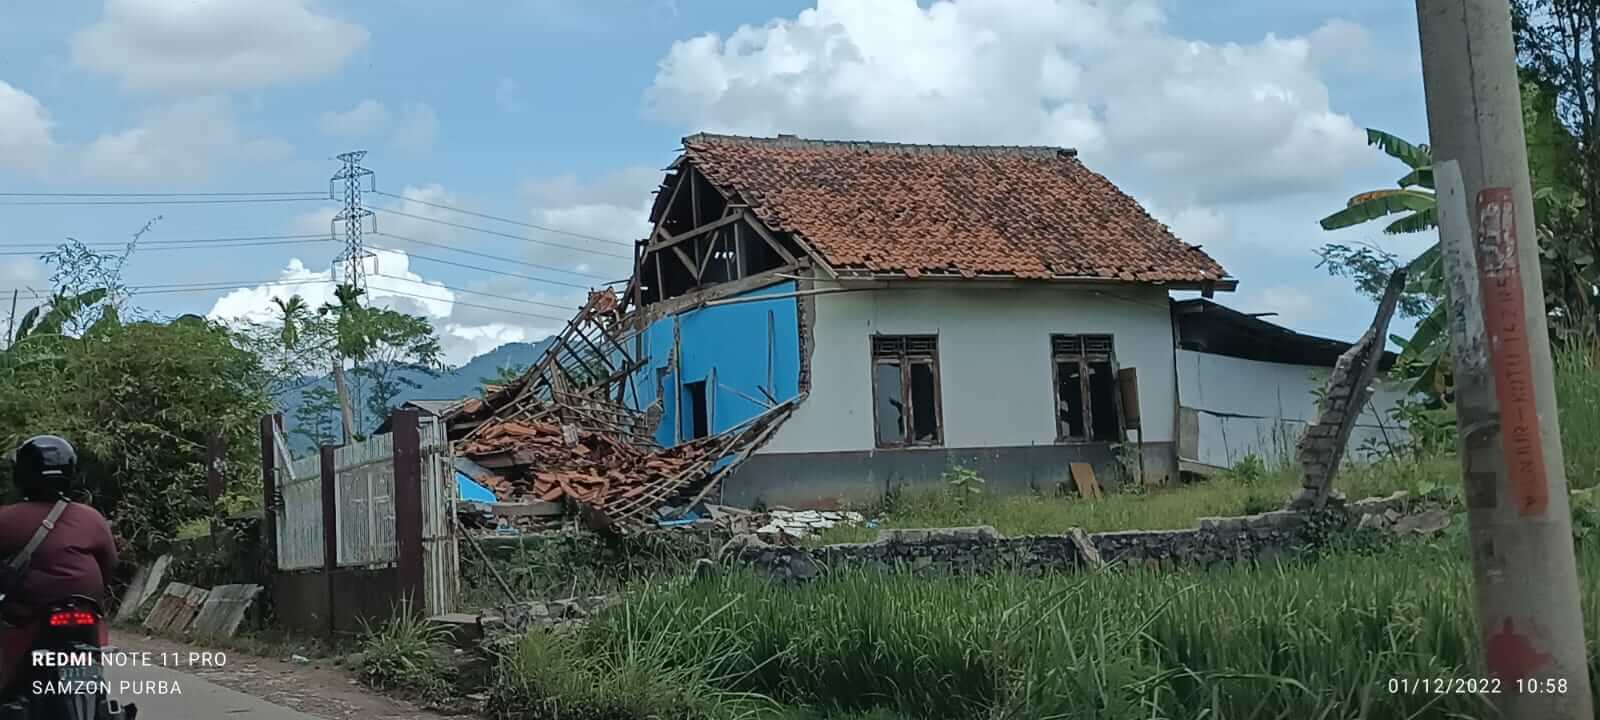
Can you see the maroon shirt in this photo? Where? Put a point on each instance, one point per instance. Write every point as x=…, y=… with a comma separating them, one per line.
x=76, y=558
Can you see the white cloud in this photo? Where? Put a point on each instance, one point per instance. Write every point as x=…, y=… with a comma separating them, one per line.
x=417, y=128
x=367, y=117
x=614, y=207
x=216, y=45
x=1186, y=121
x=185, y=141
x=26, y=139
x=508, y=95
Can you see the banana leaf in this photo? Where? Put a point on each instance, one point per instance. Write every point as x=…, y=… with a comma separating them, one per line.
x=1414, y=156
x=1373, y=205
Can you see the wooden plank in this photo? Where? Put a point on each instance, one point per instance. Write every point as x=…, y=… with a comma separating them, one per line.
x=1083, y=476
x=693, y=233
x=223, y=611
x=171, y=602
x=144, y=585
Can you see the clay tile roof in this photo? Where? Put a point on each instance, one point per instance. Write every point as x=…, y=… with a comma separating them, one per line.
x=1029, y=212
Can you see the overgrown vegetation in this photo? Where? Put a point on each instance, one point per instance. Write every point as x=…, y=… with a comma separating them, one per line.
x=1300, y=639
x=404, y=654
x=578, y=564
x=137, y=394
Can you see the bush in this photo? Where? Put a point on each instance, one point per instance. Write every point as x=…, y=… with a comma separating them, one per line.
x=403, y=654
x=1248, y=470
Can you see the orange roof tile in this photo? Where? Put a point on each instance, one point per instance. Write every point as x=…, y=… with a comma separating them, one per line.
x=1027, y=212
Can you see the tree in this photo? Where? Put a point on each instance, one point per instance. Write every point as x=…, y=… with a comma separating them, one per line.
x=1557, y=45
x=138, y=400
x=316, y=417
x=1569, y=269
x=382, y=344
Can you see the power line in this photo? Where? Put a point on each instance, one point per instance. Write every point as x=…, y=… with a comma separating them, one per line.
x=487, y=231
x=507, y=298
x=176, y=241
x=485, y=216
x=156, y=288
x=203, y=201
x=165, y=248
x=481, y=307
x=496, y=258
x=469, y=266
x=314, y=193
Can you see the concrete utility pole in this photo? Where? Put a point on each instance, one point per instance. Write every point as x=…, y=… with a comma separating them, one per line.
x=1525, y=572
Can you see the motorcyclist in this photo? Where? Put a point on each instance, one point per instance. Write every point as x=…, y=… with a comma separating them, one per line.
x=77, y=557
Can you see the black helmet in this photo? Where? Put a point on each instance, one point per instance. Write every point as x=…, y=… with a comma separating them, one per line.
x=46, y=467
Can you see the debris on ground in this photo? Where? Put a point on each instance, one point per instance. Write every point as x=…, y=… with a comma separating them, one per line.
x=215, y=613
x=786, y=526
x=613, y=483
x=1425, y=523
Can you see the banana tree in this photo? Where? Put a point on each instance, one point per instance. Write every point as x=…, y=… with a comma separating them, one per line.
x=1425, y=355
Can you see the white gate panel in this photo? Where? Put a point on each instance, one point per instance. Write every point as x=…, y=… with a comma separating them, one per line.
x=364, y=495
x=300, y=523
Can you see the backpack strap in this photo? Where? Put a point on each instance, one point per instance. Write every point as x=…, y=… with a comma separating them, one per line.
x=20, y=560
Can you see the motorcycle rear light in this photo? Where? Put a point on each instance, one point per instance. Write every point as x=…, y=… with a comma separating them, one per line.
x=73, y=618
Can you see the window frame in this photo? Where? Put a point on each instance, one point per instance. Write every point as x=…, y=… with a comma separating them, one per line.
x=1087, y=351
x=911, y=349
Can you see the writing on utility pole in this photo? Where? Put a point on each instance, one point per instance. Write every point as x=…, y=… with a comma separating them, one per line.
x=1505, y=317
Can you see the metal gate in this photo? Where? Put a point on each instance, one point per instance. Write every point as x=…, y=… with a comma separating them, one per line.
x=361, y=529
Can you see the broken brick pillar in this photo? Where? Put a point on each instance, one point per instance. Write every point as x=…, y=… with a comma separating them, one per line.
x=1348, y=389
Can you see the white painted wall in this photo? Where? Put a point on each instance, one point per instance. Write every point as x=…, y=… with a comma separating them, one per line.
x=1247, y=406
x=994, y=360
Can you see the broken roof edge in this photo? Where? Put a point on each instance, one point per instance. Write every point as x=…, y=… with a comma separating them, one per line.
x=795, y=141
x=1294, y=347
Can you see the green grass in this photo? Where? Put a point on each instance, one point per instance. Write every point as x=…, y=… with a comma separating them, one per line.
x=1578, y=391
x=1303, y=639
x=1154, y=509
x=404, y=654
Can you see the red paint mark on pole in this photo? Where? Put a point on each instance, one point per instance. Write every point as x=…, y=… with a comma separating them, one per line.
x=1505, y=319
x=1511, y=655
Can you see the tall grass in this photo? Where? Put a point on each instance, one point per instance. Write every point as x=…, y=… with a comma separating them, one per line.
x=1578, y=395
x=1296, y=640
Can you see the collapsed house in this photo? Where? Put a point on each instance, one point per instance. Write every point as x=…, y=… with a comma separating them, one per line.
x=814, y=322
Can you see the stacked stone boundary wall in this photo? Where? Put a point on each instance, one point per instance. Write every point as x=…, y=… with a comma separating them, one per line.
x=983, y=549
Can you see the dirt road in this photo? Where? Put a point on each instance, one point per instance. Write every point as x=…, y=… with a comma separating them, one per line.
x=174, y=685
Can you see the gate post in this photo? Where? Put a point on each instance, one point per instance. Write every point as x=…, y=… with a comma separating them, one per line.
x=406, y=427
x=270, y=426
x=330, y=531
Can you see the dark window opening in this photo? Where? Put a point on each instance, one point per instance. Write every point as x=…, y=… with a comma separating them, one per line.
x=696, y=418
x=905, y=389
x=1088, y=398
x=1103, y=396
x=1069, y=400
x=891, y=409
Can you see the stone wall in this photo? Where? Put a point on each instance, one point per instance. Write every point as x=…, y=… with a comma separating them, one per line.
x=983, y=549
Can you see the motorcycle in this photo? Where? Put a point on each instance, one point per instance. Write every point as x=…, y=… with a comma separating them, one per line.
x=58, y=673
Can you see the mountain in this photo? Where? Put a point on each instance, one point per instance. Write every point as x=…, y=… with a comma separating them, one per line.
x=464, y=381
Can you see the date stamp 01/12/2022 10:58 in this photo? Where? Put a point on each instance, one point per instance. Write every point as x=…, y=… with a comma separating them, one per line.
x=112, y=659
x=1475, y=686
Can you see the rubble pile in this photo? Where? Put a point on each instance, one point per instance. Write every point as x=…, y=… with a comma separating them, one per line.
x=536, y=461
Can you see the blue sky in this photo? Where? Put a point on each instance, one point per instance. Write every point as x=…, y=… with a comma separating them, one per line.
x=1237, y=123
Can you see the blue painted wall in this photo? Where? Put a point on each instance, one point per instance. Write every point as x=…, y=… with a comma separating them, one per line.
x=730, y=348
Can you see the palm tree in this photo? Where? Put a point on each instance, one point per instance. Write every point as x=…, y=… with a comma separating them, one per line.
x=350, y=341
x=292, y=314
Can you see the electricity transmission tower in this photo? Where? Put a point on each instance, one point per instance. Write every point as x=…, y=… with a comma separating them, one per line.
x=353, y=216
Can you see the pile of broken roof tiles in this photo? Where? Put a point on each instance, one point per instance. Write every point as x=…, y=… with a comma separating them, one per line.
x=613, y=483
